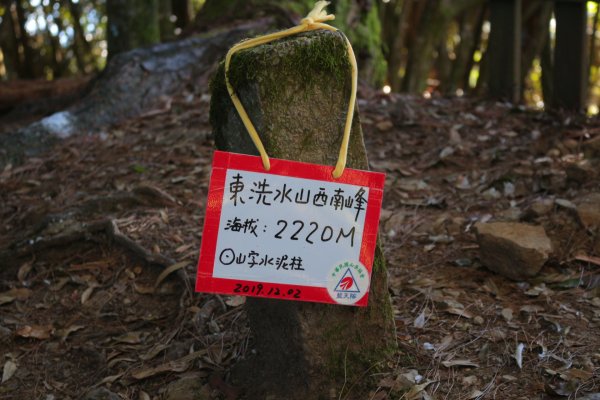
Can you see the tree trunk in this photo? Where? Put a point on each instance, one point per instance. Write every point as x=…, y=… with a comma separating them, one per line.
x=182, y=9
x=536, y=18
x=27, y=71
x=296, y=91
x=131, y=24
x=420, y=56
x=167, y=28
x=475, y=47
x=359, y=20
x=395, y=16
x=469, y=35
x=504, y=49
x=547, y=65
x=443, y=65
x=81, y=46
x=592, y=50
x=132, y=83
x=432, y=26
x=9, y=43
x=570, y=56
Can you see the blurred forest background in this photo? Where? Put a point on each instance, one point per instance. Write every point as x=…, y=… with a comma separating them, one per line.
x=425, y=47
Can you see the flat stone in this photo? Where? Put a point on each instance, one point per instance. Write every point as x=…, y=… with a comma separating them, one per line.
x=588, y=210
x=514, y=250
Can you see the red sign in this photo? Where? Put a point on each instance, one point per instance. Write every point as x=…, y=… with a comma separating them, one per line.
x=291, y=233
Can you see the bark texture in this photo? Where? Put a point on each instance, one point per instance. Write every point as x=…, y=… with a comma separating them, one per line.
x=296, y=91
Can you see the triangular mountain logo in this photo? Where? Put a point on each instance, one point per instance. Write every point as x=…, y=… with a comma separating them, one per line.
x=347, y=284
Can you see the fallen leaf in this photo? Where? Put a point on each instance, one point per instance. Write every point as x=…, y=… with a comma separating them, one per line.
x=6, y=299
x=576, y=374
x=24, y=271
x=64, y=333
x=531, y=309
x=420, y=320
x=469, y=380
x=143, y=289
x=131, y=337
x=9, y=370
x=565, y=203
x=507, y=313
x=385, y=125
x=40, y=332
x=153, y=352
x=59, y=284
x=539, y=289
x=168, y=271
x=183, y=248
x=415, y=392
x=87, y=293
x=475, y=394
x=111, y=378
x=143, y=395
x=459, y=363
x=496, y=334
x=235, y=301
x=413, y=376
x=14, y=294
x=590, y=259
x=519, y=355
x=444, y=239
x=118, y=360
x=591, y=396
x=179, y=365
x=460, y=312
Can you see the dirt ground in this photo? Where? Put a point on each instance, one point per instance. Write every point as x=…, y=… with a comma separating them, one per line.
x=99, y=242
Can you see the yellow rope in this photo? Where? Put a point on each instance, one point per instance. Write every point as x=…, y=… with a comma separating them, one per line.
x=313, y=21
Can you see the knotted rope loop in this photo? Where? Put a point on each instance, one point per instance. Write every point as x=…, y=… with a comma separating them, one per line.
x=313, y=21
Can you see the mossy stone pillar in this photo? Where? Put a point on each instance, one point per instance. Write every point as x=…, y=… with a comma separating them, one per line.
x=296, y=92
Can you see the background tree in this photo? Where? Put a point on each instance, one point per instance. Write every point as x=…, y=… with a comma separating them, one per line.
x=9, y=41
x=131, y=24
x=414, y=46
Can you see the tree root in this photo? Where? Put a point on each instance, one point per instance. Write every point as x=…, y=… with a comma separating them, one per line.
x=76, y=231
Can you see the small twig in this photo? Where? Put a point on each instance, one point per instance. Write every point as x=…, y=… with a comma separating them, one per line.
x=345, y=374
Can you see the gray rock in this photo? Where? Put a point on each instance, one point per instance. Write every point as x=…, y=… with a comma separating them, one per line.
x=511, y=249
x=101, y=393
x=588, y=210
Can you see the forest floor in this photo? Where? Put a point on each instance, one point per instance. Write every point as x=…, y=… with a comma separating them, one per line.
x=103, y=232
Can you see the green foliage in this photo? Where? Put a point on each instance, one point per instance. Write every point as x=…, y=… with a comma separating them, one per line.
x=365, y=35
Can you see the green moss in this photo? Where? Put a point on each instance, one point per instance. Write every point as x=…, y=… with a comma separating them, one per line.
x=379, y=266
x=321, y=52
x=219, y=97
